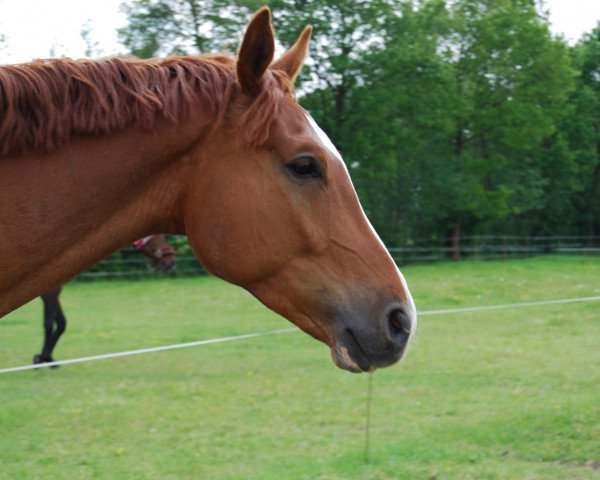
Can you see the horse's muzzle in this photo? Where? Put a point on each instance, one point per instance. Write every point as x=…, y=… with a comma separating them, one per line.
x=362, y=345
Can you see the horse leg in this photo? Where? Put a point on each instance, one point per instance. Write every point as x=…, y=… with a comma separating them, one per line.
x=53, y=315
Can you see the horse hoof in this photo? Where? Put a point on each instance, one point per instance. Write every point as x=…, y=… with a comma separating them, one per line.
x=37, y=359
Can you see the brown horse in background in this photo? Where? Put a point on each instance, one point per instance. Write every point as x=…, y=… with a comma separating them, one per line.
x=97, y=154
x=155, y=247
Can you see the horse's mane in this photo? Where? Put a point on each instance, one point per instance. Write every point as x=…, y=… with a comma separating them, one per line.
x=45, y=103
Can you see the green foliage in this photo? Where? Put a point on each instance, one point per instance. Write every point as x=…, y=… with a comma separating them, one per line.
x=162, y=27
x=478, y=88
x=583, y=130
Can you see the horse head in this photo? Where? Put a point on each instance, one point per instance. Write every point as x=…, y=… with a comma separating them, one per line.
x=272, y=209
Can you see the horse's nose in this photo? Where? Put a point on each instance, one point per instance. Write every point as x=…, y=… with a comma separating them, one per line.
x=395, y=327
x=399, y=324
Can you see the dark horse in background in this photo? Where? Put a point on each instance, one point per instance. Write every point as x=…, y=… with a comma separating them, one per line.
x=154, y=247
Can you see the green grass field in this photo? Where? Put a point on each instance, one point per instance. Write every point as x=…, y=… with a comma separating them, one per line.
x=501, y=394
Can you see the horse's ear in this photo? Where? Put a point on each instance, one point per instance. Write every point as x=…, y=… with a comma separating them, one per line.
x=291, y=62
x=256, y=52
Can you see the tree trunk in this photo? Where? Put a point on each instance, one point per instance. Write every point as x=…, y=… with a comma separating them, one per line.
x=455, y=240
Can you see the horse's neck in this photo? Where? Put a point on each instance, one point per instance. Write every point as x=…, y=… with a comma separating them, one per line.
x=62, y=212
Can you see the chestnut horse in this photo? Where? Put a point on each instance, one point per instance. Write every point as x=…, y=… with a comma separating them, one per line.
x=155, y=247
x=95, y=154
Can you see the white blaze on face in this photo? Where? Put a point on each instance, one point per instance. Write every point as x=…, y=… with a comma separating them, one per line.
x=328, y=144
x=323, y=137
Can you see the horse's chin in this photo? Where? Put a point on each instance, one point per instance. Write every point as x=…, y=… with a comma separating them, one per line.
x=356, y=364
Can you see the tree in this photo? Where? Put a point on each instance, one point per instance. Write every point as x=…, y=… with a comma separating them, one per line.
x=448, y=131
x=92, y=47
x=163, y=27
x=399, y=128
x=583, y=128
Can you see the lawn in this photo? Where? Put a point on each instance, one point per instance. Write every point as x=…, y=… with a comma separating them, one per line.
x=498, y=394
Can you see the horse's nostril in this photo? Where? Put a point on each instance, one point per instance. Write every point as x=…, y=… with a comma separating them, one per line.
x=400, y=324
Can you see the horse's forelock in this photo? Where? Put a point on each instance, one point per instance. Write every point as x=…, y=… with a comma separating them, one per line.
x=256, y=120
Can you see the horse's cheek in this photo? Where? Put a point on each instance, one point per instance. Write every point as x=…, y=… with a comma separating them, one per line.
x=226, y=240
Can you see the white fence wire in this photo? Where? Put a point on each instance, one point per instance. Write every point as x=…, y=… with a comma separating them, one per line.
x=284, y=330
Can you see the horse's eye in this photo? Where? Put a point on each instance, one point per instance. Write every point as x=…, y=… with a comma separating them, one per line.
x=305, y=168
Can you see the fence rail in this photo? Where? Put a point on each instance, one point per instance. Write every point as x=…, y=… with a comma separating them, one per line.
x=128, y=264
x=495, y=247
